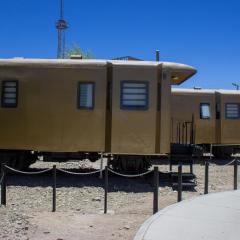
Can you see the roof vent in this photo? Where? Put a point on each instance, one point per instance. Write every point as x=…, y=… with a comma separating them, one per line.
x=76, y=57
x=197, y=88
x=127, y=58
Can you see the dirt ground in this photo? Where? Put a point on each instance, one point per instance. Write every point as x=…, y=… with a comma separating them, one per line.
x=80, y=203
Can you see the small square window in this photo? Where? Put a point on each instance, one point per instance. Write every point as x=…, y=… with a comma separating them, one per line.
x=85, y=95
x=9, y=94
x=134, y=95
x=205, y=111
x=232, y=110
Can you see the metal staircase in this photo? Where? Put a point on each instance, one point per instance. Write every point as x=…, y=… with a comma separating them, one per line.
x=188, y=178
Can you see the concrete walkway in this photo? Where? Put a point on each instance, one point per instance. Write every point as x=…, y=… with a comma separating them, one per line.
x=214, y=216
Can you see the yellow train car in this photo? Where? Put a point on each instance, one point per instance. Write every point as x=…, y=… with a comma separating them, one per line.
x=228, y=118
x=204, y=117
x=187, y=103
x=78, y=108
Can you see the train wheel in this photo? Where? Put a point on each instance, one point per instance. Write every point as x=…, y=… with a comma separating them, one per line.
x=19, y=160
x=24, y=160
x=222, y=152
x=133, y=164
x=93, y=157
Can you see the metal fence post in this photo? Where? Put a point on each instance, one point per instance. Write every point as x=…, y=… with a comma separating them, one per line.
x=106, y=189
x=191, y=165
x=54, y=172
x=4, y=185
x=170, y=163
x=235, y=174
x=180, y=182
x=101, y=166
x=155, y=190
x=206, y=177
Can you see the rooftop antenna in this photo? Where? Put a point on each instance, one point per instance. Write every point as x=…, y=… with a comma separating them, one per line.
x=61, y=27
x=157, y=55
x=236, y=85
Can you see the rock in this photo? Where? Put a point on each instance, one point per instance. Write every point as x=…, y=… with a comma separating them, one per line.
x=126, y=227
x=96, y=199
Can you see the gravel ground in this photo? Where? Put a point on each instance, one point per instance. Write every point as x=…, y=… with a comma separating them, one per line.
x=80, y=201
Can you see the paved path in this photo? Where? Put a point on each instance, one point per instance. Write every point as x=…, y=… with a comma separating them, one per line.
x=214, y=216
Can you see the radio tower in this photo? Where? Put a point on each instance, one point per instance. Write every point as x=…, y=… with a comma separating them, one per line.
x=61, y=26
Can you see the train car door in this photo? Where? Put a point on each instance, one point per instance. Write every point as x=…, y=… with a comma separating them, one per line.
x=134, y=105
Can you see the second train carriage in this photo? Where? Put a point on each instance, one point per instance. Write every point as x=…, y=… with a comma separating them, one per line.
x=78, y=108
x=206, y=116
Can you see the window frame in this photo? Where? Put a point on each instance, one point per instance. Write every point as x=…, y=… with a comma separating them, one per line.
x=138, y=108
x=201, y=113
x=232, y=118
x=78, y=96
x=9, y=105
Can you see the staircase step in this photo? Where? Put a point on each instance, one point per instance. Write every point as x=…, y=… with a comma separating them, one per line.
x=184, y=185
x=182, y=161
x=184, y=175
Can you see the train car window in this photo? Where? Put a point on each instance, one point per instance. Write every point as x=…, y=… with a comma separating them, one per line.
x=205, y=111
x=9, y=94
x=232, y=111
x=134, y=95
x=85, y=95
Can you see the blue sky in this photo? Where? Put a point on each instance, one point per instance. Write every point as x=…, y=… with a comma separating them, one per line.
x=204, y=34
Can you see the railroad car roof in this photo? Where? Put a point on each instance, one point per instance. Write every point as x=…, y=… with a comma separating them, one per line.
x=204, y=91
x=180, y=72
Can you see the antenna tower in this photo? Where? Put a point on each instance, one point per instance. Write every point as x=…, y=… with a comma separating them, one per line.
x=61, y=27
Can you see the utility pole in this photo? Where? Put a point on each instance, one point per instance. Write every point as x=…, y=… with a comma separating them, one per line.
x=61, y=27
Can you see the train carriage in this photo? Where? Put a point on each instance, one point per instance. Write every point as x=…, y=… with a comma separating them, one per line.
x=78, y=108
x=228, y=118
x=187, y=103
x=215, y=115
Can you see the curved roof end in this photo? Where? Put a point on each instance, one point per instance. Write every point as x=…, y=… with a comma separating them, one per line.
x=179, y=72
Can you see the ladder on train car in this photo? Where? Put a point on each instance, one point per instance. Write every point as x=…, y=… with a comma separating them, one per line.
x=185, y=132
x=182, y=152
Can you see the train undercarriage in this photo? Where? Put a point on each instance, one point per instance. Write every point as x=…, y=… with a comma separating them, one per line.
x=18, y=159
x=22, y=159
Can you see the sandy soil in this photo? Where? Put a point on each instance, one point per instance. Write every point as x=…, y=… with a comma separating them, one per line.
x=80, y=204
